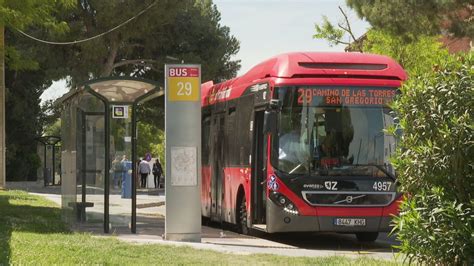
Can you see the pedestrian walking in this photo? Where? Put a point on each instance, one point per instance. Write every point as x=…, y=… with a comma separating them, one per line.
x=144, y=170
x=157, y=172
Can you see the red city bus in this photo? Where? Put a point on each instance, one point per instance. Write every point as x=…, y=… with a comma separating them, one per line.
x=297, y=144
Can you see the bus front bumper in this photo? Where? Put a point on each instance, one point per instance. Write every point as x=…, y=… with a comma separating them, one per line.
x=279, y=220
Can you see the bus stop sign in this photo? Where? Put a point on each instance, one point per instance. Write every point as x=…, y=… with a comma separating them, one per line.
x=184, y=83
x=183, y=152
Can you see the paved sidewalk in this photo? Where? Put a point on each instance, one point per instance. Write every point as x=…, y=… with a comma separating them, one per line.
x=150, y=229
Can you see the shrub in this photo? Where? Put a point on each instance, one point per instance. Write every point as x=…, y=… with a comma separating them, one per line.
x=435, y=164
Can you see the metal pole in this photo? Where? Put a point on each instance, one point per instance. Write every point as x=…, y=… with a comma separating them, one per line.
x=53, y=169
x=2, y=108
x=60, y=167
x=107, y=167
x=83, y=166
x=134, y=169
x=45, y=169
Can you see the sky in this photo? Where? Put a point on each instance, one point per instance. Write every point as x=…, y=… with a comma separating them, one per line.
x=266, y=28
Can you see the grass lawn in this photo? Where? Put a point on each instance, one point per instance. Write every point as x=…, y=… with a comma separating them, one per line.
x=31, y=232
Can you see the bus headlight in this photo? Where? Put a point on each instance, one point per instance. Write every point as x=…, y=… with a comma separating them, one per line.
x=283, y=202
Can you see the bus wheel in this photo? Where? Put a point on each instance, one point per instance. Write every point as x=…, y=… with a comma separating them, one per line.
x=205, y=220
x=242, y=225
x=367, y=236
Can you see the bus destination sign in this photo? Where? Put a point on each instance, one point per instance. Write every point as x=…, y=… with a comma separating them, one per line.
x=347, y=96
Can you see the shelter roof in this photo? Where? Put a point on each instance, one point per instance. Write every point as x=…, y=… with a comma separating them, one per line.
x=115, y=89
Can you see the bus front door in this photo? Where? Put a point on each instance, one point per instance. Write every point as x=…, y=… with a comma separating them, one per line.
x=258, y=170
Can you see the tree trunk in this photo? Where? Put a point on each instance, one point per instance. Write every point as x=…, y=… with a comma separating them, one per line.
x=2, y=108
x=109, y=64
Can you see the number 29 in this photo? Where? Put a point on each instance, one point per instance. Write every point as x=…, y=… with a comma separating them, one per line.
x=184, y=88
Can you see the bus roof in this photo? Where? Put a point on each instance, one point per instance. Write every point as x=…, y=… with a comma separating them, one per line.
x=312, y=65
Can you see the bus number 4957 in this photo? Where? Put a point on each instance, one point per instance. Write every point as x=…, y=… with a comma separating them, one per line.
x=382, y=186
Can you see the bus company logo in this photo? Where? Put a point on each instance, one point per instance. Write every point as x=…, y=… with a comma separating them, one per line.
x=349, y=199
x=218, y=94
x=313, y=186
x=330, y=185
x=224, y=94
x=272, y=183
x=259, y=87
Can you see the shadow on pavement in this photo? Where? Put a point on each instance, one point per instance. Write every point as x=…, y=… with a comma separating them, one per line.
x=151, y=225
x=334, y=241
x=35, y=187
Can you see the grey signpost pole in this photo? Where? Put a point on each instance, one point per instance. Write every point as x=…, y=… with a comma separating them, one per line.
x=183, y=152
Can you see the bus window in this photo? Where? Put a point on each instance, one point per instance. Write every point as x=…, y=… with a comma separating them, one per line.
x=316, y=138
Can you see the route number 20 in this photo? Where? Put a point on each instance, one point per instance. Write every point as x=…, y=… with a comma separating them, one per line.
x=184, y=88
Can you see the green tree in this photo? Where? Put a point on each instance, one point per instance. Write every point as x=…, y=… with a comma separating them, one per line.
x=49, y=118
x=168, y=32
x=335, y=35
x=27, y=13
x=435, y=156
x=416, y=57
x=151, y=140
x=24, y=80
x=189, y=31
x=436, y=164
x=410, y=18
x=22, y=127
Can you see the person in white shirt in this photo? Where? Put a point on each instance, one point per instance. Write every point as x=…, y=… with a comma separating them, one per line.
x=144, y=170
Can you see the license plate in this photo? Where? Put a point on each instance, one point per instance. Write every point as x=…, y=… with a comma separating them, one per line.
x=349, y=222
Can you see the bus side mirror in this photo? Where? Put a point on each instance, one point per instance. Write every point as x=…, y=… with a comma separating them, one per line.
x=270, y=122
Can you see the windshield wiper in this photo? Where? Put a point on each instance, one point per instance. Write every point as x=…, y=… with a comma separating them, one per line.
x=381, y=168
x=294, y=169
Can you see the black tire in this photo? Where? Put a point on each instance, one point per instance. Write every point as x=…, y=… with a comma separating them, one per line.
x=205, y=220
x=242, y=217
x=367, y=236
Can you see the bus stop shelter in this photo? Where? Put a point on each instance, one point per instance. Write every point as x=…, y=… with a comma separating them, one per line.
x=99, y=133
x=51, y=170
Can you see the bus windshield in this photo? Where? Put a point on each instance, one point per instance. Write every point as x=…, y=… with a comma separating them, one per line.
x=323, y=136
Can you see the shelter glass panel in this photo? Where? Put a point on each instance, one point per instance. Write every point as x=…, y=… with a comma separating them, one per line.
x=120, y=200
x=91, y=159
x=68, y=160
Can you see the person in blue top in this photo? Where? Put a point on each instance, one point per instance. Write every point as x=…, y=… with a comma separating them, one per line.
x=126, y=178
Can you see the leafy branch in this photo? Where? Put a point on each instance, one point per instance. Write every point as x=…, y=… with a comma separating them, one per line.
x=335, y=34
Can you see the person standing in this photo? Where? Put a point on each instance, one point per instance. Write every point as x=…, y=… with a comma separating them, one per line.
x=157, y=172
x=144, y=170
x=117, y=170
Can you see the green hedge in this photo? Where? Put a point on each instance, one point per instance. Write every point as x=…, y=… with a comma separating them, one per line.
x=435, y=164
